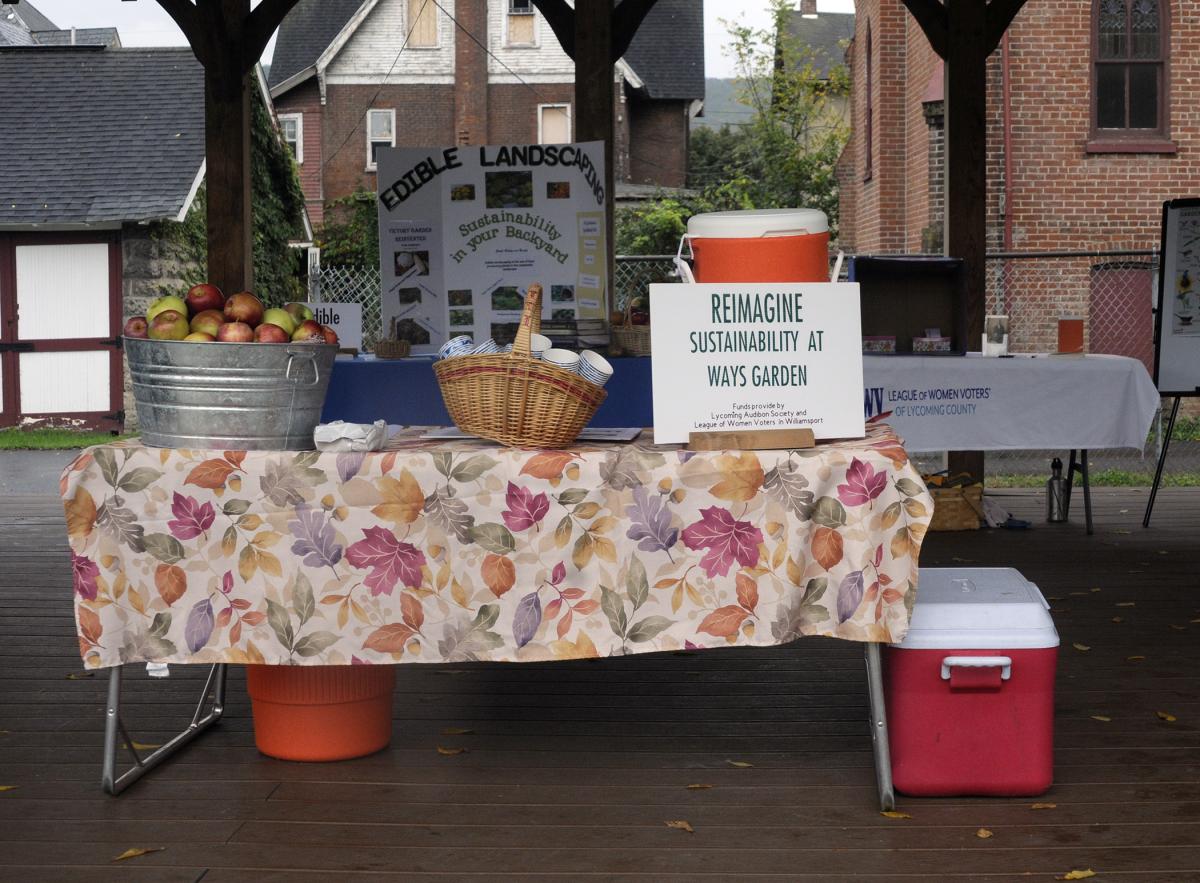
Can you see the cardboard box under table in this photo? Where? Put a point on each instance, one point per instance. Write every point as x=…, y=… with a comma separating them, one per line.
x=970, y=689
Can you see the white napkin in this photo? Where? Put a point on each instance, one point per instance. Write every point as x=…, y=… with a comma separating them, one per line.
x=340, y=436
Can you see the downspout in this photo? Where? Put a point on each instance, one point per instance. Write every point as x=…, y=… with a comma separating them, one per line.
x=1006, y=113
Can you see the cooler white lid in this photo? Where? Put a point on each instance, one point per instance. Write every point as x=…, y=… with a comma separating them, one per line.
x=978, y=608
x=758, y=223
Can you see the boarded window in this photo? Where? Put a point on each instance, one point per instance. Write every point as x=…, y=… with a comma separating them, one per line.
x=422, y=24
x=521, y=20
x=554, y=126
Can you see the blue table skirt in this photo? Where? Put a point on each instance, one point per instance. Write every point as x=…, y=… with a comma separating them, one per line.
x=405, y=391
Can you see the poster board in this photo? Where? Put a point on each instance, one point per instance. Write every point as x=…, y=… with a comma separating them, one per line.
x=344, y=319
x=1177, y=318
x=756, y=356
x=463, y=231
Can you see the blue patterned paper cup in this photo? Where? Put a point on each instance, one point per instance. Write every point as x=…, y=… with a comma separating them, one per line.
x=594, y=368
x=488, y=346
x=456, y=346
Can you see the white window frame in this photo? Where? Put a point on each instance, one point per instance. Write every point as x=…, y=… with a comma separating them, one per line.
x=570, y=120
x=508, y=17
x=391, y=112
x=437, y=27
x=298, y=119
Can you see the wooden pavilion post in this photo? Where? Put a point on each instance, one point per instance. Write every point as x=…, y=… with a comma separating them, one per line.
x=228, y=39
x=964, y=33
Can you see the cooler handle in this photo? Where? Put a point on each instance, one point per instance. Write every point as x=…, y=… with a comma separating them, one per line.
x=1004, y=663
x=681, y=266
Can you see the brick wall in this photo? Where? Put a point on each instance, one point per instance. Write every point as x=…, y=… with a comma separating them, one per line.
x=306, y=99
x=424, y=115
x=658, y=142
x=513, y=110
x=921, y=68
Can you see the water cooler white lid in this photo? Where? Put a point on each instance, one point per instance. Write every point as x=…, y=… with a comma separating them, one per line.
x=978, y=608
x=758, y=223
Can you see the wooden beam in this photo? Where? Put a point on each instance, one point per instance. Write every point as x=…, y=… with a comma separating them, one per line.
x=595, y=111
x=627, y=18
x=561, y=19
x=260, y=25
x=932, y=18
x=1000, y=14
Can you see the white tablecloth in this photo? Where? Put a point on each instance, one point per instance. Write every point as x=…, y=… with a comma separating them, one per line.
x=972, y=403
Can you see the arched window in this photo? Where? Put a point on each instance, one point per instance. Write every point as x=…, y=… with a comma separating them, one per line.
x=1129, y=59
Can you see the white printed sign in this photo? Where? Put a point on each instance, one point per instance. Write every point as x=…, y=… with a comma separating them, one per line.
x=463, y=231
x=758, y=356
x=345, y=319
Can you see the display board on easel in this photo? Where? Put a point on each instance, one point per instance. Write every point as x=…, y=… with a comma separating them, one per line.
x=1177, y=317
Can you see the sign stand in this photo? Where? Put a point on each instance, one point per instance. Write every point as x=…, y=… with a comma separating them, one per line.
x=1177, y=318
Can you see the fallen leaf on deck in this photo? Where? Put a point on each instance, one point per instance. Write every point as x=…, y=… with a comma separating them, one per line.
x=1126, y=604
x=135, y=853
x=681, y=825
x=458, y=731
x=141, y=746
x=1082, y=648
x=1077, y=594
x=1193, y=621
x=698, y=787
x=450, y=752
x=80, y=675
x=1135, y=658
x=1103, y=718
x=740, y=764
x=1044, y=806
x=1166, y=716
x=894, y=814
x=1117, y=619
x=1096, y=589
x=1054, y=598
x=984, y=834
x=9, y=787
x=1123, y=531
x=1077, y=875
x=964, y=560
x=1179, y=628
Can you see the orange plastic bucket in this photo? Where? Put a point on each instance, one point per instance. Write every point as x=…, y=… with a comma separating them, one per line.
x=321, y=712
x=765, y=245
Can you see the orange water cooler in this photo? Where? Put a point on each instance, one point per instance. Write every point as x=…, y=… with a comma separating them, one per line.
x=764, y=245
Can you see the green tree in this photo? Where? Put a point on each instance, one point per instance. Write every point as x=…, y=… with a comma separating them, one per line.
x=350, y=234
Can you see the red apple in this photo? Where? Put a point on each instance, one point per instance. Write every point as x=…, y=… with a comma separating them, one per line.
x=136, y=326
x=330, y=334
x=203, y=297
x=235, y=332
x=243, y=307
x=168, y=325
x=208, y=321
x=299, y=311
x=199, y=337
x=309, y=331
x=268, y=333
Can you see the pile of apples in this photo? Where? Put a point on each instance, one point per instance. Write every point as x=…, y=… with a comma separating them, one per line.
x=204, y=314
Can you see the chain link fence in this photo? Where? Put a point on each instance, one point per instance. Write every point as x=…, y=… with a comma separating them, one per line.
x=1112, y=291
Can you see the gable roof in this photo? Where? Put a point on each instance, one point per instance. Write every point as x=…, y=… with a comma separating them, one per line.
x=667, y=52
x=82, y=37
x=129, y=147
x=12, y=34
x=29, y=16
x=825, y=37
x=305, y=33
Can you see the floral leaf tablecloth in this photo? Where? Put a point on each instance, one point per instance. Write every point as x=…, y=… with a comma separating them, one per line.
x=464, y=550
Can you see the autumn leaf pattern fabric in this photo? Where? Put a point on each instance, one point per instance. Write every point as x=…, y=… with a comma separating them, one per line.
x=433, y=552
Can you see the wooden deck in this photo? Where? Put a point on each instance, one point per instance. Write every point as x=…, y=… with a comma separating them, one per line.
x=573, y=769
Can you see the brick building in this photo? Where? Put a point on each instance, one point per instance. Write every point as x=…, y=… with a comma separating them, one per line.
x=470, y=72
x=1091, y=125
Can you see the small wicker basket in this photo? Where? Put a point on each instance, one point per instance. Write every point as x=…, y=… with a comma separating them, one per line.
x=633, y=339
x=393, y=349
x=514, y=398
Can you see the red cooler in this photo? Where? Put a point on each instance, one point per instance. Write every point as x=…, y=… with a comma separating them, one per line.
x=762, y=245
x=970, y=690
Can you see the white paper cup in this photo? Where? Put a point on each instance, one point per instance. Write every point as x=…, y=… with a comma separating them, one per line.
x=456, y=346
x=488, y=346
x=594, y=368
x=538, y=344
x=563, y=359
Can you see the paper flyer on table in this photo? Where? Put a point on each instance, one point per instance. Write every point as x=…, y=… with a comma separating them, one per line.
x=463, y=231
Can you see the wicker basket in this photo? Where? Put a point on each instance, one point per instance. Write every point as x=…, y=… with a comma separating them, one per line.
x=514, y=398
x=957, y=508
x=633, y=339
x=392, y=349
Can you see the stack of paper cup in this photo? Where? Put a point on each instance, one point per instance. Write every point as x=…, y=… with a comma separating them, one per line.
x=594, y=368
x=456, y=346
x=538, y=345
x=488, y=346
x=563, y=359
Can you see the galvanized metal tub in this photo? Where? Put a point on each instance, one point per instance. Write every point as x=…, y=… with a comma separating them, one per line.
x=229, y=396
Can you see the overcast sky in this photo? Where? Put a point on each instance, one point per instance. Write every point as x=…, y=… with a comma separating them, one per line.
x=143, y=23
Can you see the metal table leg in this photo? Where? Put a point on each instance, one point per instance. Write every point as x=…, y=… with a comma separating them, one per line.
x=879, y=731
x=1079, y=465
x=113, y=783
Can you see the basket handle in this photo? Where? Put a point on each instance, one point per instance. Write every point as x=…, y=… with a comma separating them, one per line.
x=531, y=321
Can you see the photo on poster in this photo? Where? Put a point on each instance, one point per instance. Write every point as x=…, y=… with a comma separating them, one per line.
x=561, y=315
x=507, y=298
x=412, y=331
x=509, y=189
x=459, y=297
x=562, y=294
x=408, y=296
x=462, y=193
x=462, y=318
x=414, y=263
x=558, y=189
x=505, y=332
x=1185, y=308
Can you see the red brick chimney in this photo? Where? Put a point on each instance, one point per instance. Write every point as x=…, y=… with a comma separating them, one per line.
x=471, y=73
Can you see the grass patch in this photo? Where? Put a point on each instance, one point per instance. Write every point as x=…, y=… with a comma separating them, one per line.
x=1100, y=478
x=53, y=439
